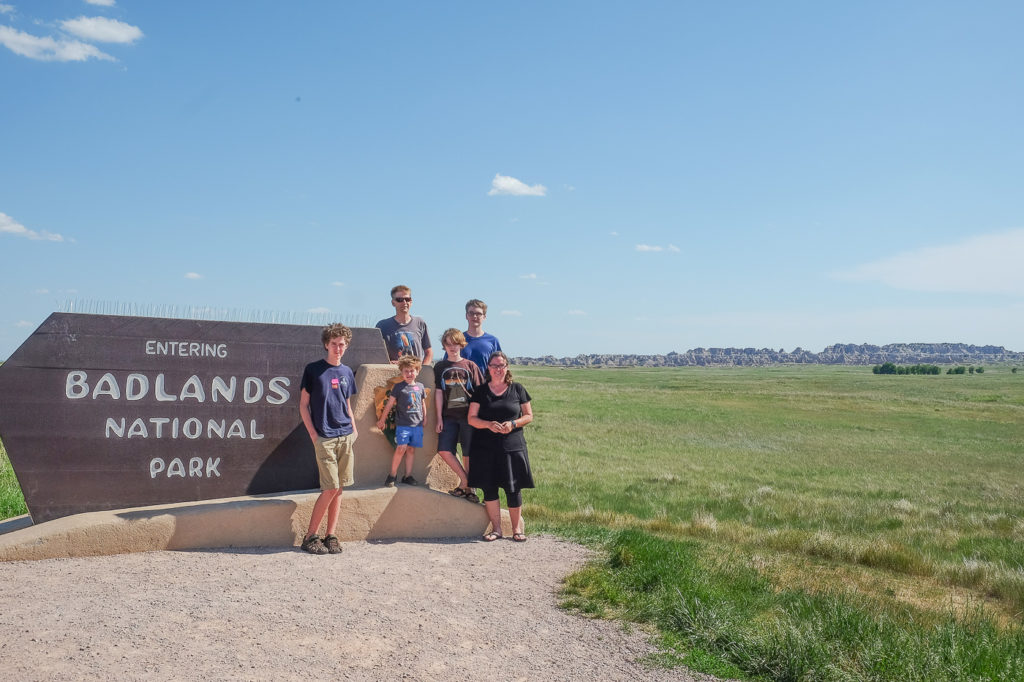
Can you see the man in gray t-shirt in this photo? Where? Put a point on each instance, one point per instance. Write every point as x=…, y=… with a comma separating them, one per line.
x=405, y=334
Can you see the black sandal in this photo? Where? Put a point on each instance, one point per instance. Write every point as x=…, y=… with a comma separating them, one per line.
x=492, y=536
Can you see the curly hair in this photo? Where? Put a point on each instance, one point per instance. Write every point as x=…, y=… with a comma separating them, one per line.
x=333, y=331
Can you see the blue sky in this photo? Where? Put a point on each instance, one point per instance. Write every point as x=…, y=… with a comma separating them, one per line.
x=610, y=177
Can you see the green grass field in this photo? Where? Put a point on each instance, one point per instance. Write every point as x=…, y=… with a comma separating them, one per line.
x=794, y=522
x=787, y=523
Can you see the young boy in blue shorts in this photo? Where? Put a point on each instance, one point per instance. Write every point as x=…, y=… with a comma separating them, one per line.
x=408, y=396
x=326, y=410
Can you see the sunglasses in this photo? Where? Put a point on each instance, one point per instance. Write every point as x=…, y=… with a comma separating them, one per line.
x=497, y=366
x=402, y=299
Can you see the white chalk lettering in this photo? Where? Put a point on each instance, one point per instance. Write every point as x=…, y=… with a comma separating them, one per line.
x=226, y=390
x=161, y=394
x=176, y=468
x=192, y=428
x=136, y=386
x=276, y=387
x=237, y=429
x=138, y=428
x=252, y=389
x=215, y=427
x=193, y=388
x=75, y=386
x=117, y=428
x=186, y=349
x=107, y=385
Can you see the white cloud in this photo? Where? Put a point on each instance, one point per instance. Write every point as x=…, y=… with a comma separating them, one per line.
x=101, y=3
x=22, y=323
x=321, y=309
x=193, y=275
x=614, y=233
x=655, y=248
x=986, y=264
x=6, y=9
x=9, y=225
x=503, y=184
x=102, y=30
x=337, y=284
x=41, y=291
x=577, y=312
x=531, y=275
x=512, y=313
x=46, y=49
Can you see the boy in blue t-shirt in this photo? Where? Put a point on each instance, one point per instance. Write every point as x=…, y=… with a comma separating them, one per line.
x=326, y=410
x=479, y=344
x=409, y=395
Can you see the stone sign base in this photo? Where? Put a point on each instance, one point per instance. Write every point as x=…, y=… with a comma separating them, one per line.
x=277, y=520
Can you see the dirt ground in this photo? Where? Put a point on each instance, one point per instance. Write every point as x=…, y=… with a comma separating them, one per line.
x=415, y=610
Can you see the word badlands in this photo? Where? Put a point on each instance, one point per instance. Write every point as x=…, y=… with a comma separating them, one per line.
x=137, y=386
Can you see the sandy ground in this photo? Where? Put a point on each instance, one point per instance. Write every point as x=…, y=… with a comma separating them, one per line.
x=416, y=610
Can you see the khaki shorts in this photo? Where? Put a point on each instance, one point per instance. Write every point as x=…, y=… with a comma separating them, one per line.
x=334, y=460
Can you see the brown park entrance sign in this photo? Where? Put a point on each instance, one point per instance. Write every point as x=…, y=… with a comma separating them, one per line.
x=105, y=412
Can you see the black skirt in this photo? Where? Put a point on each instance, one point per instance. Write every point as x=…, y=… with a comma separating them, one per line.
x=508, y=470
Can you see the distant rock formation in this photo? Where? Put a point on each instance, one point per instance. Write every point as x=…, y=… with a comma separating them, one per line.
x=837, y=354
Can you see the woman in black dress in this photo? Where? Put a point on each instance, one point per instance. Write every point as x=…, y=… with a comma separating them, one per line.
x=498, y=411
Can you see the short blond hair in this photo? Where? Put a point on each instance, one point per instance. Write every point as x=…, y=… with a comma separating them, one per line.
x=410, y=361
x=400, y=287
x=453, y=336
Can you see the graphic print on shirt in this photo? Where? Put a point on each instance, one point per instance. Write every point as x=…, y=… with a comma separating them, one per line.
x=414, y=402
x=457, y=385
x=404, y=344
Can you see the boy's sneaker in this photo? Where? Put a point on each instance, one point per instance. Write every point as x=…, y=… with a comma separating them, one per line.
x=409, y=480
x=332, y=544
x=314, y=545
x=389, y=482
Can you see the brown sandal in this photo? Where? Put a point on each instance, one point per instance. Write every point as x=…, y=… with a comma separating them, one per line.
x=519, y=537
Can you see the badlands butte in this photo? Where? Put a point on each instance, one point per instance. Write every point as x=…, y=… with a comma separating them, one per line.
x=837, y=354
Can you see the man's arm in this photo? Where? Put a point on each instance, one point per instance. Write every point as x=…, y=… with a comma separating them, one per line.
x=355, y=431
x=307, y=416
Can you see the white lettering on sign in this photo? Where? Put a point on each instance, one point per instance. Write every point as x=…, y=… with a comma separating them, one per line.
x=136, y=387
x=191, y=428
x=187, y=349
x=176, y=467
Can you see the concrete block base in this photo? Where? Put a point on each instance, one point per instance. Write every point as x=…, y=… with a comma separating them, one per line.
x=278, y=520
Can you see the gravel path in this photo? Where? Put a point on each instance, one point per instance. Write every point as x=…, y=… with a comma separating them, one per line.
x=417, y=610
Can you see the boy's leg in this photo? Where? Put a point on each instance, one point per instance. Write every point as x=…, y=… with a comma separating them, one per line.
x=454, y=465
x=447, y=442
x=410, y=456
x=396, y=459
x=333, y=510
x=321, y=507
